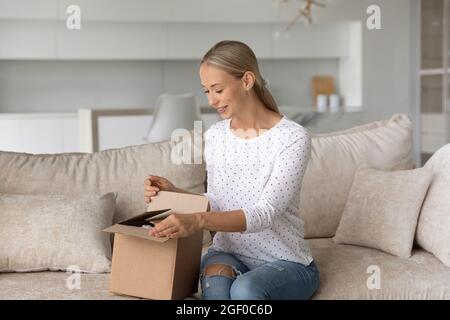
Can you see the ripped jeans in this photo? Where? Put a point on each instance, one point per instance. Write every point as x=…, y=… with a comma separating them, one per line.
x=277, y=280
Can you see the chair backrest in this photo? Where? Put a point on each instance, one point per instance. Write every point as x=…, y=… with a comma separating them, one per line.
x=173, y=111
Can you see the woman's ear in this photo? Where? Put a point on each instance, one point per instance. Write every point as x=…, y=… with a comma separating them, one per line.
x=248, y=80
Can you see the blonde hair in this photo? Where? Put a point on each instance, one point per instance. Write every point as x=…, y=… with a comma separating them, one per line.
x=236, y=58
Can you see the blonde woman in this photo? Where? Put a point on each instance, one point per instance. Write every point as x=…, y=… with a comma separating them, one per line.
x=255, y=160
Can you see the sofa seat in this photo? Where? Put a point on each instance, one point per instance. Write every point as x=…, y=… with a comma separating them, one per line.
x=343, y=275
x=53, y=285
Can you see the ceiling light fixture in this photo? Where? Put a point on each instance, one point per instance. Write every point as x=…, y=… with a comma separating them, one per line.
x=304, y=13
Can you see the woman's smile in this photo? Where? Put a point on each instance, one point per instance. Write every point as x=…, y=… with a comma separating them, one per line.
x=222, y=109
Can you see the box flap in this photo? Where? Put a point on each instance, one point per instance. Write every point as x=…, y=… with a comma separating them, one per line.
x=134, y=231
x=164, y=214
x=144, y=216
x=133, y=226
x=178, y=202
x=162, y=205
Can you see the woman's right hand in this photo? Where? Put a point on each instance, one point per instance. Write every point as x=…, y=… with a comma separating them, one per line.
x=153, y=184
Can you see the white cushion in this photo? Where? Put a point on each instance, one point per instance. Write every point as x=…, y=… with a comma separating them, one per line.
x=433, y=229
x=55, y=232
x=382, y=209
x=118, y=170
x=383, y=145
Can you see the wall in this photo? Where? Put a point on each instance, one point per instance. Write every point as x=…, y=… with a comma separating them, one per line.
x=59, y=86
x=387, y=64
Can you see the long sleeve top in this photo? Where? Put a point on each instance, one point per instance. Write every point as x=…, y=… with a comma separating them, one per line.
x=263, y=177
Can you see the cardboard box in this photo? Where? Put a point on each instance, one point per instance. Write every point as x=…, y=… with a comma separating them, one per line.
x=157, y=268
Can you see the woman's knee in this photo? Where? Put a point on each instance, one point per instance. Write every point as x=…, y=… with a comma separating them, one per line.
x=243, y=288
x=219, y=269
x=216, y=281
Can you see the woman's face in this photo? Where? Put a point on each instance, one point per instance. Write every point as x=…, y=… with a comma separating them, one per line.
x=225, y=93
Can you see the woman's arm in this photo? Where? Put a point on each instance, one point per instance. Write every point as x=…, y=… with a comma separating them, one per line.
x=183, y=225
x=283, y=186
x=226, y=221
x=179, y=225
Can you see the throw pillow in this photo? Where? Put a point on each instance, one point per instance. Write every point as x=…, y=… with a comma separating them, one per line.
x=382, y=209
x=433, y=229
x=384, y=145
x=120, y=170
x=55, y=232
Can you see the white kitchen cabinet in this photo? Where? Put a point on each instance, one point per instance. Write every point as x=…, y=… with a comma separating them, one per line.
x=10, y=135
x=192, y=40
x=106, y=40
x=102, y=39
x=39, y=133
x=27, y=39
x=49, y=39
x=327, y=40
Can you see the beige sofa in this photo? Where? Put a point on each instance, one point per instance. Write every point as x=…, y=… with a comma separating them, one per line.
x=345, y=270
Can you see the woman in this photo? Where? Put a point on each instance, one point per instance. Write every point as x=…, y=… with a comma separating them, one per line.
x=255, y=160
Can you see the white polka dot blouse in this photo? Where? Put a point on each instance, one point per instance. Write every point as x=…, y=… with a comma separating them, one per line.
x=262, y=175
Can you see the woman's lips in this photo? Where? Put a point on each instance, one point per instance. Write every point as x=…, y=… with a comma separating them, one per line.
x=222, y=110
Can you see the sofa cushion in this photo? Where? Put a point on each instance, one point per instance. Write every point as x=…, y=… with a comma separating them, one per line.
x=54, y=232
x=349, y=272
x=382, y=209
x=117, y=170
x=343, y=275
x=60, y=286
x=383, y=145
x=433, y=228
x=56, y=286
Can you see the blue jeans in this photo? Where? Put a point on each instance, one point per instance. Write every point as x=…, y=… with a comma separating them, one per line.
x=277, y=280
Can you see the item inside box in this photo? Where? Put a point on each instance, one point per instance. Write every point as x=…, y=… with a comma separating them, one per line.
x=145, y=219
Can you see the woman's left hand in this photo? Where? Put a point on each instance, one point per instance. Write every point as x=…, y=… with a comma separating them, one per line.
x=177, y=225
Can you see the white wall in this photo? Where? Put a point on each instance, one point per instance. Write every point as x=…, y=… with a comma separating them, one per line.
x=387, y=58
x=58, y=86
x=386, y=55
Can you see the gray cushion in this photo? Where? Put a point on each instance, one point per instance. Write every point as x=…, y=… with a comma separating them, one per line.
x=53, y=285
x=382, y=209
x=433, y=228
x=335, y=156
x=343, y=275
x=55, y=232
x=119, y=170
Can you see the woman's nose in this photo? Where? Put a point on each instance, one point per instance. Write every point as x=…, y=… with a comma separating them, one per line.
x=213, y=101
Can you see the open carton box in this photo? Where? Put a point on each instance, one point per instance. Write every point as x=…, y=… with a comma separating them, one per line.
x=157, y=268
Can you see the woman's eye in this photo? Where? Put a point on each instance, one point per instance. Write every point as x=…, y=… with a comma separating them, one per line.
x=218, y=91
